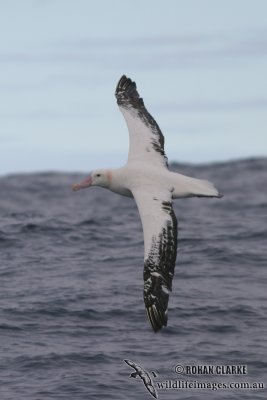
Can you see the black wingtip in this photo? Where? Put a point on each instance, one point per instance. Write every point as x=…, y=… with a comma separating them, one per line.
x=124, y=82
x=157, y=318
x=127, y=87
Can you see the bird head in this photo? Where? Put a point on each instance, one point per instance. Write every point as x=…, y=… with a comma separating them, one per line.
x=134, y=375
x=98, y=177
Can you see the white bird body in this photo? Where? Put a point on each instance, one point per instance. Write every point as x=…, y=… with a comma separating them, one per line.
x=124, y=180
x=147, y=178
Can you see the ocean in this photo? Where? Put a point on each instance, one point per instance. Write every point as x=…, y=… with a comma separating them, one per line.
x=72, y=291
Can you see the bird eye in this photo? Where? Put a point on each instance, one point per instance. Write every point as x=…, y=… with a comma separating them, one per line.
x=98, y=175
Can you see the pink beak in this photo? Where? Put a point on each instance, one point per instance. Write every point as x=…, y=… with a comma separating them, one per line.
x=83, y=184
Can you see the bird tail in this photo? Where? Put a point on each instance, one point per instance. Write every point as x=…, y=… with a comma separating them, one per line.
x=186, y=186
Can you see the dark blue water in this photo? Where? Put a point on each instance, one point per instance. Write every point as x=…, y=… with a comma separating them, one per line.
x=71, y=288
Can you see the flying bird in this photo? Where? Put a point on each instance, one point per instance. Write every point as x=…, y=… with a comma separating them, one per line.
x=141, y=373
x=146, y=177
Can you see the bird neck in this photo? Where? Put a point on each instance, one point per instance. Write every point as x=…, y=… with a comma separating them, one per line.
x=117, y=181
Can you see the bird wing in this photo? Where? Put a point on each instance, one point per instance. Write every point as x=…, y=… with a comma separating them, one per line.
x=146, y=138
x=149, y=384
x=152, y=390
x=160, y=239
x=134, y=366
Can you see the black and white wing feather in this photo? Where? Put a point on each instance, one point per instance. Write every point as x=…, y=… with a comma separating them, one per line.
x=146, y=138
x=160, y=237
x=154, y=203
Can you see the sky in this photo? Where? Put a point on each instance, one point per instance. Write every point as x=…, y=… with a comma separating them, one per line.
x=200, y=66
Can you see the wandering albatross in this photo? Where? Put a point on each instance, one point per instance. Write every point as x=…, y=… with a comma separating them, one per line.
x=147, y=178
